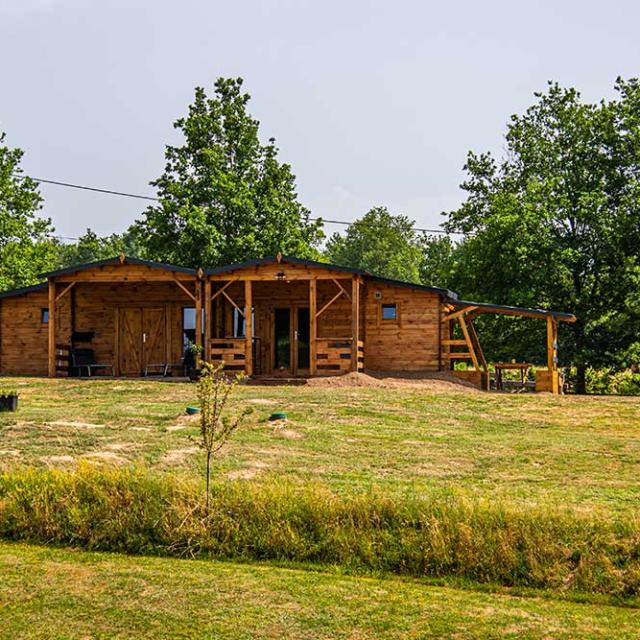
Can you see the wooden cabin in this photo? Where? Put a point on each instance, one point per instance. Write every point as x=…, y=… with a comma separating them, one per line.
x=272, y=317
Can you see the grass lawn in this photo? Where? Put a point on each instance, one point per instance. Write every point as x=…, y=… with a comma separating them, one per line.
x=52, y=593
x=583, y=452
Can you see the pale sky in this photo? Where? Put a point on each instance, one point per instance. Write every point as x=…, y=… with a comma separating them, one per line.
x=371, y=102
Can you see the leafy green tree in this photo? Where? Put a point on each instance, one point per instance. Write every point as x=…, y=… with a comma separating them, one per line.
x=556, y=223
x=26, y=244
x=224, y=196
x=91, y=247
x=381, y=243
x=439, y=264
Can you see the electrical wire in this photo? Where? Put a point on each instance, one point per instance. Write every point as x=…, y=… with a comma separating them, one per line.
x=138, y=196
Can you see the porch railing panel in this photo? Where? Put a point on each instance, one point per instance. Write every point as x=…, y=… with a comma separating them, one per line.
x=333, y=355
x=231, y=351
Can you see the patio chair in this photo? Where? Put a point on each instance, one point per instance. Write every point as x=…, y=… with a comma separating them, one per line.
x=85, y=360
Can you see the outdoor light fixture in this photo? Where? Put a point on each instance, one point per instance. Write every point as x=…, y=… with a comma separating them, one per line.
x=280, y=276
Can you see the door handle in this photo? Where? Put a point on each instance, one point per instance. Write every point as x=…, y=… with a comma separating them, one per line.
x=144, y=338
x=295, y=335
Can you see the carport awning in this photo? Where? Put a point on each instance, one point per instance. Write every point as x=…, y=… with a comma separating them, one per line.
x=468, y=306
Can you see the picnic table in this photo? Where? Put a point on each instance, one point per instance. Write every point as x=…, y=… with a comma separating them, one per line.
x=522, y=367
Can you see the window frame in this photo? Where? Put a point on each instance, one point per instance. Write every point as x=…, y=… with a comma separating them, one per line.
x=395, y=305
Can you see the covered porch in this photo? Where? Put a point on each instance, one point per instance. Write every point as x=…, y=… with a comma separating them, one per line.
x=284, y=320
x=460, y=314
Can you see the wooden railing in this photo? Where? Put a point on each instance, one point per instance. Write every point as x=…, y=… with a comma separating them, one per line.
x=229, y=350
x=333, y=355
x=63, y=359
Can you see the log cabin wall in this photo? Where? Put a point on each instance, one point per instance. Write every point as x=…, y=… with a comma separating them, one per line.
x=98, y=308
x=24, y=335
x=409, y=343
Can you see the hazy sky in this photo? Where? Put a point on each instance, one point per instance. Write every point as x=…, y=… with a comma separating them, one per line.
x=372, y=103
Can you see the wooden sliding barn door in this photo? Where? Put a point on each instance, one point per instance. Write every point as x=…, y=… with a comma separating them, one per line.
x=142, y=339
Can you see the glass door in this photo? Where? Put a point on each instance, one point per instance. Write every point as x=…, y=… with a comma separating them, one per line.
x=282, y=339
x=303, y=350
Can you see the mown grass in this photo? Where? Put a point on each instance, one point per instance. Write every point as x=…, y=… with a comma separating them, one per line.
x=52, y=593
x=536, y=450
x=439, y=535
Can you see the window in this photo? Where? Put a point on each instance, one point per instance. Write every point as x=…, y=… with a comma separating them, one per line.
x=239, y=325
x=189, y=326
x=389, y=311
x=44, y=316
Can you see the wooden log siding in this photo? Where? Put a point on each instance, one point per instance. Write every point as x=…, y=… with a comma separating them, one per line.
x=24, y=338
x=410, y=343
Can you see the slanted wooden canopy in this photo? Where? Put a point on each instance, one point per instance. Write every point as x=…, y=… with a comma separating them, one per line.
x=463, y=312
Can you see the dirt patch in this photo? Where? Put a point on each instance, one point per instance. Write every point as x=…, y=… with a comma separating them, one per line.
x=431, y=381
x=289, y=434
x=106, y=457
x=9, y=452
x=263, y=401
x=77, y=425
x=242, y=474
x=184, y=422
x=176, y=456
x=57, y=460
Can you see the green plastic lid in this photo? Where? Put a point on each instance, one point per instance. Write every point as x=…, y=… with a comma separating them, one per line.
x=278, y=415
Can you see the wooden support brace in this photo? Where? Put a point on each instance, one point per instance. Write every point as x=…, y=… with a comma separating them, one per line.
x=230, y=299
x=248, y=323
x=191, y=295
x=221, y=290
x=459, y=314
x=52, y=330
x=65, y=291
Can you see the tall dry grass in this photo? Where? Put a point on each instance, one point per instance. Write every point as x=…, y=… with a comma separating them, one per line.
x=442, y=534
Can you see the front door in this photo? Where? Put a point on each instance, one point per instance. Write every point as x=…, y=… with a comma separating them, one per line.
x=291, y=340
x=142, y=339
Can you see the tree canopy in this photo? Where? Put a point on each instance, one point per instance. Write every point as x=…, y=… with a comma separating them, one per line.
x=384, y=244
x=224, y=195
x=556, y=223
x=26, y=245
x=91, y=247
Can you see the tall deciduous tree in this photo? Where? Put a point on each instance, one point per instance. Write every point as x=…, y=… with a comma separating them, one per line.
x=381, y=243
x=26, y=245
x=556, y=223
x=91, y=247
x=224, y=196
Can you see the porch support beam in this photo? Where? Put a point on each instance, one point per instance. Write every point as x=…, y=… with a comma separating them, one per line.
x=248, y=317
x=207, y=320
x=355, y=322
x=52, y=329
x=198, y=301
x=552, y=353
x=313, y=326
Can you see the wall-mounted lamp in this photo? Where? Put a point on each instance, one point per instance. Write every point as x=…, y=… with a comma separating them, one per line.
x=280, y=276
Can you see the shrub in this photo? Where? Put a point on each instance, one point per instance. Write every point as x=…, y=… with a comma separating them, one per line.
x=442, y=534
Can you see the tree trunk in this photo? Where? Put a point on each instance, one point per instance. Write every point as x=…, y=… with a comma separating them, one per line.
x=581, y=379
x=208, y=480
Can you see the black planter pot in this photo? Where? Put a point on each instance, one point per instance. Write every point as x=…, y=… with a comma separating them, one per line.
x=194, y=374
x=8, y=403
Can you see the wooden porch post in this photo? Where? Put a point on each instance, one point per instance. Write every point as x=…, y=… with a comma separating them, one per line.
x=52, y=328
x=552, y=353
x=313, y=325
x=355, y=321
x=198, y=302
x=248, y=323
x=207, y=319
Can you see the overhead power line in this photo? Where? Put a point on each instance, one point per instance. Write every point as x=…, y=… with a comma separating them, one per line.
x=138, y=196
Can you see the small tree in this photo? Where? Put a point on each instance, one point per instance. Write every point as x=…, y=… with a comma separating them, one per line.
x=214, y=390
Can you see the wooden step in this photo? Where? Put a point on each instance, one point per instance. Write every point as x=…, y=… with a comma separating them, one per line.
x=457, y=356
x=455, y=343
